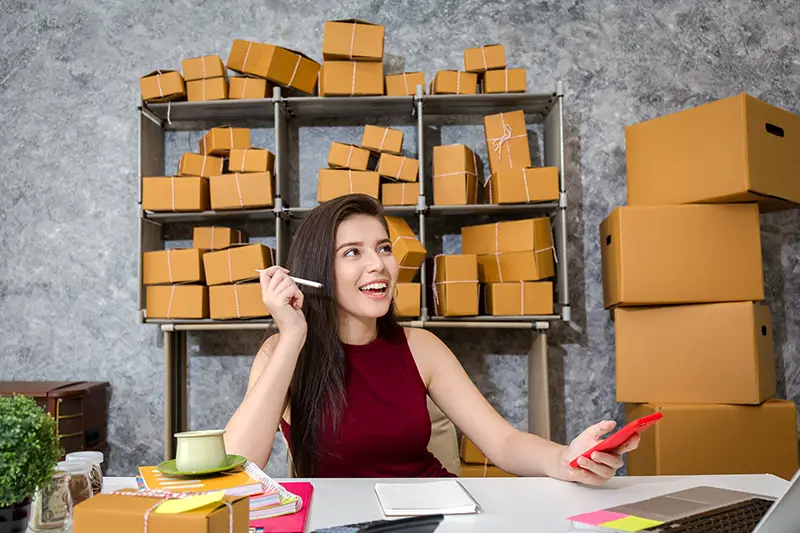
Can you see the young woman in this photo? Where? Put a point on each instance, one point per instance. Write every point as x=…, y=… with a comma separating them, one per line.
x=348, y=387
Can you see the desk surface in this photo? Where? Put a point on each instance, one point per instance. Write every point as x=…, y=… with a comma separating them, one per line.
x=509, y=504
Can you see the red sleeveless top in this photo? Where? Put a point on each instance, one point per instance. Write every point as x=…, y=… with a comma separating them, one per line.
x=385, y=425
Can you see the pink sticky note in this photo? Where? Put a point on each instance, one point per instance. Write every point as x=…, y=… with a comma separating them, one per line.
x=597, y=517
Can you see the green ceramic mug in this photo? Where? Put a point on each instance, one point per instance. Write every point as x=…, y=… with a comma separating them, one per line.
x=200, y=450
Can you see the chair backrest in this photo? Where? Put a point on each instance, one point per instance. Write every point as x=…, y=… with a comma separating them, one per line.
x=443, y=443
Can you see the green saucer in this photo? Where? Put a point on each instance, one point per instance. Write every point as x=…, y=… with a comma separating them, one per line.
x=231, y=462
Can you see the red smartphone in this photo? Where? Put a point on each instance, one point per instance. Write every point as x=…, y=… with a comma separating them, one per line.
x=620, y=437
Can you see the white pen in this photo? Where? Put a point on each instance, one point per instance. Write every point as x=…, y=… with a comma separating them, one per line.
x=301, y=281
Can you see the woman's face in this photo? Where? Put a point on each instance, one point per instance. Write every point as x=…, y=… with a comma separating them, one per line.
x=364, y=267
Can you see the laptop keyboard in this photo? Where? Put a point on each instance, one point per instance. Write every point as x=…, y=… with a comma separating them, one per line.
x=739, y=517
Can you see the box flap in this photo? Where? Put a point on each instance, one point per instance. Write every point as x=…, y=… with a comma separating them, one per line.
x=356, y=21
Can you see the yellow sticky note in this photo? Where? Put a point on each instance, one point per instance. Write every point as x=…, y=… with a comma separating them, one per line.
x=188, y=504
x=631, y=523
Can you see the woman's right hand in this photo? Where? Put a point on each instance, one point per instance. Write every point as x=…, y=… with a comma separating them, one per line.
x=284, y=300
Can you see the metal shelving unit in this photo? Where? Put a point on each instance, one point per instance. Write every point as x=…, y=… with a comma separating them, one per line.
x=282, y=113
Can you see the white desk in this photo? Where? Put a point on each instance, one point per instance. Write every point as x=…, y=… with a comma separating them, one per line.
x=509, y=504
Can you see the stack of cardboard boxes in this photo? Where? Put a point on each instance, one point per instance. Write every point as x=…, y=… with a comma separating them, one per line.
x=206, y=78
x=352, y=52
x=682, y=271
x=410, y=253
x=484, y=67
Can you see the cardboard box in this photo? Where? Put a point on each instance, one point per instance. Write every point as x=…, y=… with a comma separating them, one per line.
x=454, y=82
x=334, y=183
x=510, y=80
x=220, y=141
x=353, y=40
x=251, y=160
x=455, y=287
x=702, y=439
x=681, y=254
x=532, y=234
x=407, y=249
x=406, y=302
x=523, y=185
x=405, y=84
x=241, y=190
x=168, y=193
x=162, y=86
x=282, y=66
x=350, y=78
x=176, y=301
x=516, y=266
x=379, y=139
x=183, y=265
x=206, y=90
x=398, y=167
x=235, y=264
x=507, y=141
x=191, y=164
x=519, y=299
x=240, y=300
x=486, y=57
x=202, y=68
x=399, y=193
x=738, y=149
x=468, y=470
x=125, y=514
x=471, y=454
x=216, y=237
x=348, y=156
x=456, y=172
x=246, y=87
x=667, y=354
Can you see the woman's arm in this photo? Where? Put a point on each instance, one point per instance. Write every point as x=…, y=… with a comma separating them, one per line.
x=522, y=454
x=251, y=430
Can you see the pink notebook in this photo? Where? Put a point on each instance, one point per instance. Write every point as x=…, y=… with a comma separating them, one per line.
x=290, y=523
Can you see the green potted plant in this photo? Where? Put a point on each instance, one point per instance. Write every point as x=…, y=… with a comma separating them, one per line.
x=29, y=451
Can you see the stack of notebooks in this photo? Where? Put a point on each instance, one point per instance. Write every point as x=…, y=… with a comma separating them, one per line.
x=268, y=499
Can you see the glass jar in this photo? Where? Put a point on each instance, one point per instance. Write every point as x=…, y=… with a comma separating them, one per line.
x=96, y=459
x=80, y=484
x=52, y=505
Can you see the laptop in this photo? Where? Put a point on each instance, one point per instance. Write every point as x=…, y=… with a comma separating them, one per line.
x=700, y=510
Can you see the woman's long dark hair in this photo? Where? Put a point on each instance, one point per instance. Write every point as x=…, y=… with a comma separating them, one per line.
x=317, y=392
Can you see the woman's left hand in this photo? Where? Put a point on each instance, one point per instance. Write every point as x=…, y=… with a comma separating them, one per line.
x=601, y=466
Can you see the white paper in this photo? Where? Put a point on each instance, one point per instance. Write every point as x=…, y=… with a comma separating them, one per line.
x=434, y=497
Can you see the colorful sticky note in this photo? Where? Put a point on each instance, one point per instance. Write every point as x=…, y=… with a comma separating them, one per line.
x=631, y=523
x=596, y=517
x=182, y=505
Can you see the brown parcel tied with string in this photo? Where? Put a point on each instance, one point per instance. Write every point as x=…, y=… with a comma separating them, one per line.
x=520, y=250
x=507, y=141
x=247, y=87
x=454, y=82
x=175, y=301
x=241, y=190
x=214, y=238
x=202, y=68
x=406, y=303
x=405, y=84
x=191, y=164
x=238, y=263
x=183, y=265
x=162, y=86
x=125, y=514
x=343, y=155
x=402, y=193
x=351, y=78
x=207, y=90
x=167, y=193
x=523, y=185
x=220, y=141
x=334, y=183
x=282, y=66
x=483, y=58
x=455, y=288
x=378, y=139
x=250, y=160
x=456, y=172
x=519, y=299
x=406, y=248
x=509, y=80
x=352, y=39
x=398, y=167
x=240, y=300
